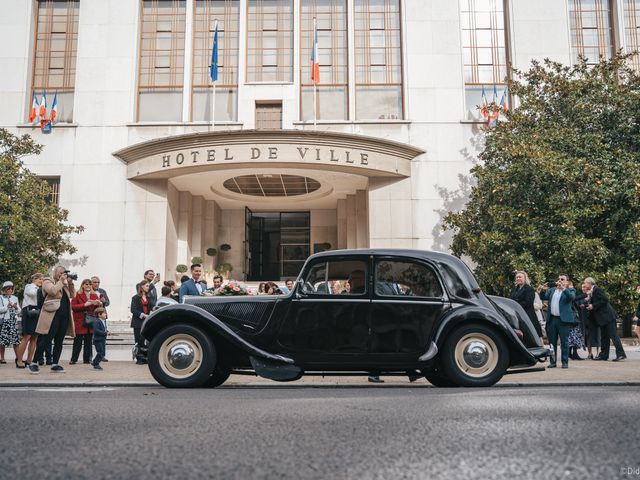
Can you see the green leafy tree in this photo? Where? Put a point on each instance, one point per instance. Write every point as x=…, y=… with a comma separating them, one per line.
x=557, y=188
x=34, y=232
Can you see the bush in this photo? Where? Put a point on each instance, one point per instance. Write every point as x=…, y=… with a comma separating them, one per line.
x=181, y=268
x=212, y=252
x=196, y=260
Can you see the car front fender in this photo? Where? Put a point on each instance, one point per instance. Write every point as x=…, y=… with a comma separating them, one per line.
x=185, y=313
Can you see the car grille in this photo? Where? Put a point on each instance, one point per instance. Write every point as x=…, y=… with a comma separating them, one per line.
x=239, y=314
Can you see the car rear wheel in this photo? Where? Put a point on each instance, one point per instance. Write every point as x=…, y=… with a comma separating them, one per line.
x=220, y=375
x=474, y=356
x=437, y=380
x=181, y=356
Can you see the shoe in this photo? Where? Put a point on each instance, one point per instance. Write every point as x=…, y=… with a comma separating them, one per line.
x=602, y=358
x=140, y=362
x=20, y=366
x=40, y=362
x=49, y=362
x=33, y=368
x=105, y=360
x=374, y=379
x=57, y=369
x=565, y=365
x=3, y=361
x=97, y=367
x=618, y=358
x=72, y=362
x=552, y=365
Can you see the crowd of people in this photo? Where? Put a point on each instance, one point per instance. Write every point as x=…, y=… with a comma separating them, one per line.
x=580, y=321
x=52, y=309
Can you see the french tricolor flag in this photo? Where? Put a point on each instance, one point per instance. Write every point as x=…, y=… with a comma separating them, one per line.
x=315, y=61
x=34, y=108
x=54, y=108
x=43, y=106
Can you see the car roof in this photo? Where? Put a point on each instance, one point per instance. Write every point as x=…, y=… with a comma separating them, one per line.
x=400, y=252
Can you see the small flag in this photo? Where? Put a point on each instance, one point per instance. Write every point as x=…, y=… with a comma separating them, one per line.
x=43, y=106
x=484, y=108
x=214, y=56
x=503, y=101
x=315, y=61
x=494, y=110
x=54, y=108
x=34, y=108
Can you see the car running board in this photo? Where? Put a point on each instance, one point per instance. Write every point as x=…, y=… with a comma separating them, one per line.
x=281, y=372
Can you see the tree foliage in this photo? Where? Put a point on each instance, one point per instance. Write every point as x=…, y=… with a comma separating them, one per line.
x=558, y=185
x=34, y=233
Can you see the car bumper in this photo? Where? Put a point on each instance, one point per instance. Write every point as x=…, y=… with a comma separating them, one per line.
x=540, y=353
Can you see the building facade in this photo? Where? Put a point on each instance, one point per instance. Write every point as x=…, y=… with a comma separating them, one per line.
x=285, y=167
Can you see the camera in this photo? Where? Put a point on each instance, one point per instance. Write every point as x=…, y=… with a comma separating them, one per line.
x=551, y=284
x=72, y=276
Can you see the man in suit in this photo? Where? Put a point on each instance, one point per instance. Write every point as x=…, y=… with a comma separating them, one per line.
x=605, y=316
x=153, y=278
x=559, y=316
x=193, y=285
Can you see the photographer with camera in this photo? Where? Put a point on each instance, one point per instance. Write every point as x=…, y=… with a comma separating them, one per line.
x=560, y=316
x=55, y=321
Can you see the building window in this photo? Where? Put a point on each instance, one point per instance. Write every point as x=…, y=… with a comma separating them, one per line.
x=378, y=50
x=268, y=115
x=161, y=60
x=52, y=186
x=270, y=41
x=332, y=96
x=227, y=13
x=631, y=10
x=484, y=52
x=54, y=65
x=591, y=32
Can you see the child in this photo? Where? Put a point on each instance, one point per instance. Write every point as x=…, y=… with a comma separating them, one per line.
x=99, y=336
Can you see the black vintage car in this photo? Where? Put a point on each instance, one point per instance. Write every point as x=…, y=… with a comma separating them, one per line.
x=350, y=312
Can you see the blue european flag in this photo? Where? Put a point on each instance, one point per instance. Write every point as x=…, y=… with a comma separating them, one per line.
x=214, y=56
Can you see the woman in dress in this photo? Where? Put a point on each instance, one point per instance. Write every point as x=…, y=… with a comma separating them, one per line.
x=9, y=308
x=85, y=301
x=525, y=295
x=576, y=335
x=141, y=306
x=30, y=313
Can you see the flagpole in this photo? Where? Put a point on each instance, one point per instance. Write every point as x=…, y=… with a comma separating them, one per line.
x=214, y=65
x=315, y=81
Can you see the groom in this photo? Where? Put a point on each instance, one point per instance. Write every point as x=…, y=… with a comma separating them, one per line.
x=192, y=286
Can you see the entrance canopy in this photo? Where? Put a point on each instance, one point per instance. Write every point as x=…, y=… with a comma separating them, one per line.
x=208, y=151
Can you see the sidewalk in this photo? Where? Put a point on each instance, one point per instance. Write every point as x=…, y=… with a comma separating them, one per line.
x=121, y=372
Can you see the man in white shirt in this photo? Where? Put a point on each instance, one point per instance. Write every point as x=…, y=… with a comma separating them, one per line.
x=560, y=316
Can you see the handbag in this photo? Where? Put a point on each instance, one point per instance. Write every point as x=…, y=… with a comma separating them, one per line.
x=88, y=320
x=51, y=305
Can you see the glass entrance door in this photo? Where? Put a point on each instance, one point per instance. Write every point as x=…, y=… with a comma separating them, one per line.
x=277, y=244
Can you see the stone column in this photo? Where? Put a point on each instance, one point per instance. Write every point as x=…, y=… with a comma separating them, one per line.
x=352, y=232
x=197, y=227
x=341, y=212
x=362, y=219
x=184, y=228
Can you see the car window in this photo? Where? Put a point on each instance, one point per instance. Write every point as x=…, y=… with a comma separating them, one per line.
x=337, y=277
x=406, y=279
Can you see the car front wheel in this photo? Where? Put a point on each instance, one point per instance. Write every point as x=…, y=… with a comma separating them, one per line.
x=474, y=356
x=181, y=356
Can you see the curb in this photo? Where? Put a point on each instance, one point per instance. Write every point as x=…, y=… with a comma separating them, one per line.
x=310, y=385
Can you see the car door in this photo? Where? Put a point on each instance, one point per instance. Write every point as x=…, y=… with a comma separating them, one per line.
x=408, y=298
x=327, y=322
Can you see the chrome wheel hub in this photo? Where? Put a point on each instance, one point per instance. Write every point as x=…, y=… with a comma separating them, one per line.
x=476, y=354
x=180, y=356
